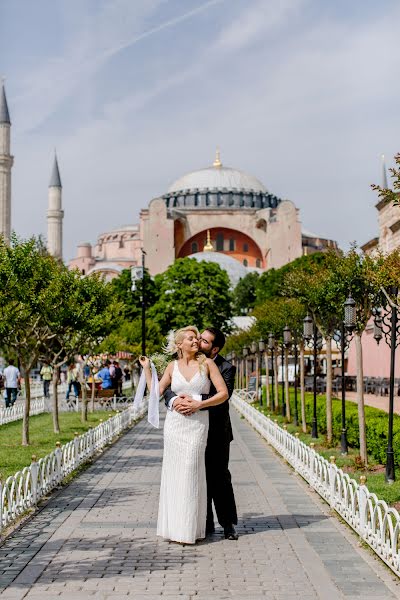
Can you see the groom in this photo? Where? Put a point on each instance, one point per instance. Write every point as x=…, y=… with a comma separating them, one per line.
x=219, y=485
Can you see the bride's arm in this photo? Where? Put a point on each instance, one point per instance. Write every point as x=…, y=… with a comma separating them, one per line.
x=219, y=384
x=165, y=379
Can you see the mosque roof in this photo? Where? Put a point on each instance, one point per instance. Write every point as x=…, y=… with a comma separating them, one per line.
x=4, y=114
x=218, y=177
x=235, y=269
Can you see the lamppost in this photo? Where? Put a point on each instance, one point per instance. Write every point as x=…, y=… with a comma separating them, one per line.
x=292, y=341
x=287, y=342
x=387, y=322
x=283, y=380
x=271, y=348
x=310, y=335
x=233, y=359
x=246, y=365
x=261, y=350
x=254, y=353
x=137, y=273
x=343, y=339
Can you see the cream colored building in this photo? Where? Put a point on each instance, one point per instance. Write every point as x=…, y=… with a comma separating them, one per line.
x=243, y=220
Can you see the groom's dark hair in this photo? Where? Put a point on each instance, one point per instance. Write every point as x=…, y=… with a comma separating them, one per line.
x=219, y=338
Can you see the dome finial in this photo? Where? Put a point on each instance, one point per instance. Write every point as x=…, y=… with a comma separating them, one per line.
x=208, y=247
x=217, y=162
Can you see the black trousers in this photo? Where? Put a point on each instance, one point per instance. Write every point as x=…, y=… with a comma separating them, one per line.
x=219, y=483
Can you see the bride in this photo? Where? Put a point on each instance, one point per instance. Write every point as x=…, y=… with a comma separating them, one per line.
x=183, y=494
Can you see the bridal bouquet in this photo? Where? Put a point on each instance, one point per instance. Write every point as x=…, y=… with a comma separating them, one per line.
x=160, y=361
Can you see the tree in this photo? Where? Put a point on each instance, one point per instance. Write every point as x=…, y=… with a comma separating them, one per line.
x=131, y=299
x=192, y=292
x=387, y=194
x=29, y=285
x=245, y=293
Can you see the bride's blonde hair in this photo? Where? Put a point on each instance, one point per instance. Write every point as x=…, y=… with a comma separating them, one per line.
x=176, y=337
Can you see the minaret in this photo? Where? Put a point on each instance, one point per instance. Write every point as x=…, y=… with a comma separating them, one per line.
x=55, y=214
x=6, y=162
x=384, y=184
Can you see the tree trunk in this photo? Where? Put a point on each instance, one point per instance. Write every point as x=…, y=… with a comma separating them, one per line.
x=84, y=409
x=329, y=426
x=267, y=390
x=360, y=399
x=287, y=396
x=56, y=422
x=276, y=387
x=302, y=391
x=93, y=391
x=27, y=409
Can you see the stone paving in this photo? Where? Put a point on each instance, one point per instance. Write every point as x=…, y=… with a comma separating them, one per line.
x=96, y=538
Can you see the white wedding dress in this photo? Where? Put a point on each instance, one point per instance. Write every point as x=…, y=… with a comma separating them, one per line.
x=183, y=495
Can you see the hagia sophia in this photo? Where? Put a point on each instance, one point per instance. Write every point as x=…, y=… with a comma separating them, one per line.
x=216, y=213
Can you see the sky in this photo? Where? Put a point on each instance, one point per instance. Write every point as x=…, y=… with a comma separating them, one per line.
x=133, y=94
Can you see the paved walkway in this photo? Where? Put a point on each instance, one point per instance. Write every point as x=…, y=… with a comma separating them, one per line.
x=96, y=538
x=381, y=402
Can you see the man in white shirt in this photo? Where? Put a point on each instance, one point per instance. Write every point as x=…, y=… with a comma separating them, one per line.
x=12, y=379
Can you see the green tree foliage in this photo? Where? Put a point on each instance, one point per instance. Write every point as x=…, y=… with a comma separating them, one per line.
x=192, y=292
x=245, y=293
x=131, y=299
x=388, y=194
x=272, y=282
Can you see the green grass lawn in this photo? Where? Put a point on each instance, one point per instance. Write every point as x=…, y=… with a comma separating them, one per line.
x=349, y=463
x=13, y=456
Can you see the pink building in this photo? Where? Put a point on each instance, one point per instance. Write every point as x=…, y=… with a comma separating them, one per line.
x=376, y=358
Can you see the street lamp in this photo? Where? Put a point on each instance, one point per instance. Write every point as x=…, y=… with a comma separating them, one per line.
x=271, y=348
x=310, y=335
x=387, y=323
x=261, y=350
x=137, y=273
x=292, y=341
x=343, y=338
x=246, y=366
x=287, y=342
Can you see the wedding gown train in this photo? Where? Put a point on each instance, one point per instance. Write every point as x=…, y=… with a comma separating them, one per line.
x=183, y=495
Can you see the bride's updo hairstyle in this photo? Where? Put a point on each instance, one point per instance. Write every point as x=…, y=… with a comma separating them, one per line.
x=176, y=337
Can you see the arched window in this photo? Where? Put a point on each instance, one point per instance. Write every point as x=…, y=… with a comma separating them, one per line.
x=245, y=247
x=220, y=242
x=258, y=263
x=195, y=247
x=245, y=262
x=231, y=245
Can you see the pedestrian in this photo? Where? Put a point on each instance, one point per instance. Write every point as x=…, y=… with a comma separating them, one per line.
x=46, y=373
x=12, y=378
x=118, y=375
x=127, y=373
x=72, y=380
x=104, y=375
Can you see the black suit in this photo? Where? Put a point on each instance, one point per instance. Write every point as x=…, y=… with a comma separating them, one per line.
x=219, y=485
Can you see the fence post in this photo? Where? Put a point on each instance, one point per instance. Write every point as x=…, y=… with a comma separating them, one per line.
x=332, y=479
x=58, y=453
x=297, y=446
x=115, y=402
x=362, y=504
x=312, y=463
x=34, y=479
x=76, y=449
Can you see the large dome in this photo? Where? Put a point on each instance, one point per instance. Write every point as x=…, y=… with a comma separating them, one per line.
x=218, y=186
x=233, y=267
x=218, y=178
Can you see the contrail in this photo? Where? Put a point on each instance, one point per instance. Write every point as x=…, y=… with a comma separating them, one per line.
x=165, y=25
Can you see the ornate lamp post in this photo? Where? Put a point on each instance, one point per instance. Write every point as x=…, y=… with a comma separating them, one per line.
x=136, y=274
x=261, y=350
x=387, y=322
x=254, y=354
x=287, y=342
x=292, y=341
x=343, y=339
x=310, y=335
x=271, y=348
x=246, y=366
x=233, y=359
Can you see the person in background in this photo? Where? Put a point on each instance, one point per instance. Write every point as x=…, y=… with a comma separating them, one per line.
x=118, y=378
x=72, y=380
x=46, y=373
x=12, y=382
x=127, y=373
x=104, y=375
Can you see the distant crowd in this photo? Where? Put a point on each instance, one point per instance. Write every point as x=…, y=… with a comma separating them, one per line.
x=109, y=375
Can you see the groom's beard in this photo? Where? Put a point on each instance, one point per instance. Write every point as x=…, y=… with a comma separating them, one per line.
x=206, y=352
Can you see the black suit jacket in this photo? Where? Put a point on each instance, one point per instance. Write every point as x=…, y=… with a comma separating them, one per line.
x=220, y=429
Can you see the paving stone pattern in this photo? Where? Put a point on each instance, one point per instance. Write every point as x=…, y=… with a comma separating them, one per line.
x=96, y=538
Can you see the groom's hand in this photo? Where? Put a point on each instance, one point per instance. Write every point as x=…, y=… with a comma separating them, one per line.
x=186, y=405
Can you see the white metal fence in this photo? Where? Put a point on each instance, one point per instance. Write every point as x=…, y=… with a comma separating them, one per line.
x=16, y=412
x=376, y=523
x=24, y=489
